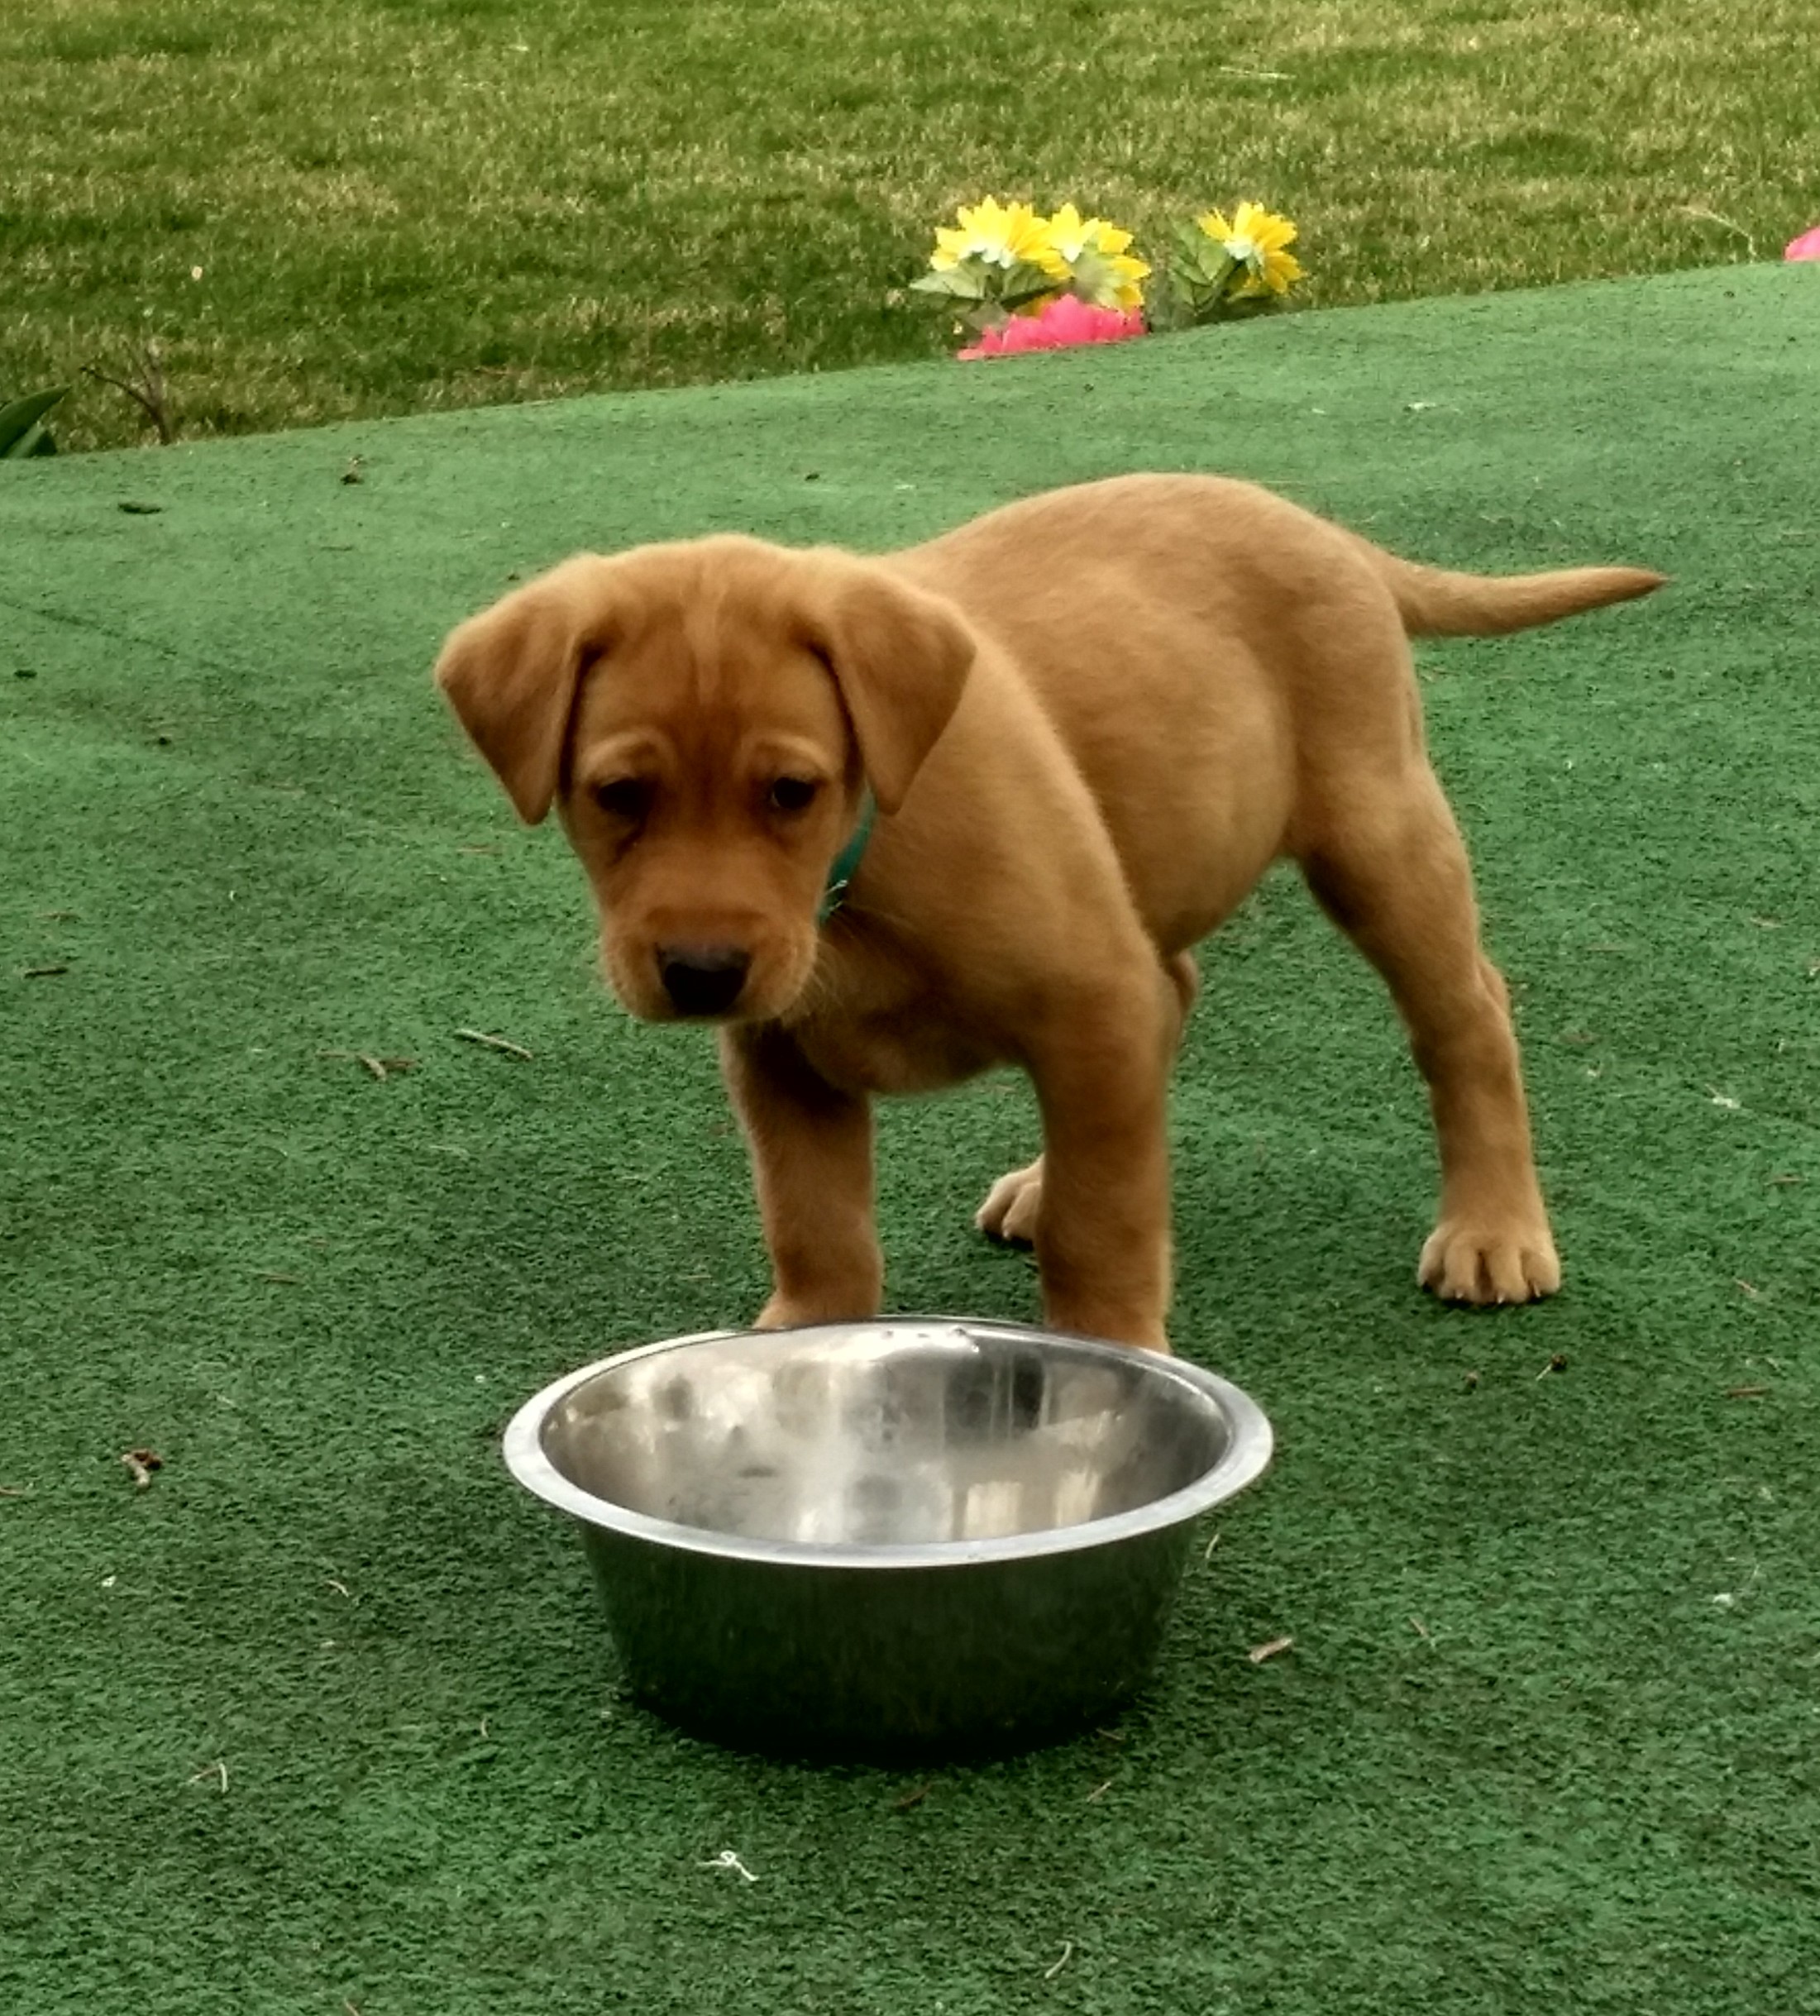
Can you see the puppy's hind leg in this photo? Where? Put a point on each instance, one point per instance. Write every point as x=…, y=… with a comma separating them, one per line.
x=1390, y=868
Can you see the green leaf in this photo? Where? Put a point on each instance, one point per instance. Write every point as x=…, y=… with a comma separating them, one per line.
x=952, y=283
x=19, y=422
x=1028, y=279
x=1195, y=249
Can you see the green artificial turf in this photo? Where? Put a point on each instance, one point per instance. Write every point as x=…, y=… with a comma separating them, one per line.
x=324, y=1720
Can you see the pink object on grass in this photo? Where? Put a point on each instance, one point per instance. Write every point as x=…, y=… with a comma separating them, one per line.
x=1806, y=246
x=1059, y=325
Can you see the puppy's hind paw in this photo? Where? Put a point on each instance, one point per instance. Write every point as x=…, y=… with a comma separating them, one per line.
x=1484, y=1265
x=1010, y=1213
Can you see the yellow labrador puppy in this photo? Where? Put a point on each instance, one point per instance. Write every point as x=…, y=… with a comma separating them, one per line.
x=888, y=821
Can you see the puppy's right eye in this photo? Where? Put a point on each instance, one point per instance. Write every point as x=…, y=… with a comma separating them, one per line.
x=623, y=798
x=793, y=794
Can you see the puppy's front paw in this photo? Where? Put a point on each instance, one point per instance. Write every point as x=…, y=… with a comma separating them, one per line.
x=1010, y=1212
x=1484, y=1264
x=789, y=1311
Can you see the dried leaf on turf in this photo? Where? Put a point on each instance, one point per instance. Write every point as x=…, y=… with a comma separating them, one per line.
x=141, y=1463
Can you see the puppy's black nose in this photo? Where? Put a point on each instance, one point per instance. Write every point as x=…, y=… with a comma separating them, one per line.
x=703, y=979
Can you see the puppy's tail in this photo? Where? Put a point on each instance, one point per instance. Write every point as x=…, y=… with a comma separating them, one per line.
x=1433, y=603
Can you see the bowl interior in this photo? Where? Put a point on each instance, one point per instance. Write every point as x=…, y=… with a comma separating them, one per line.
x=883, y=1434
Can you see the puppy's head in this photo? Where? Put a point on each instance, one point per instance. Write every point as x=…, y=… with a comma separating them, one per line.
x=706, y=718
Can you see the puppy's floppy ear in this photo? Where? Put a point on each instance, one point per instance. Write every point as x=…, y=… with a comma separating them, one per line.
x=511, y=674
x=899, y=656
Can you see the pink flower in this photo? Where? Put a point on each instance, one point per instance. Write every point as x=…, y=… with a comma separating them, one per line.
x=1806, y=246
x=1060, y=324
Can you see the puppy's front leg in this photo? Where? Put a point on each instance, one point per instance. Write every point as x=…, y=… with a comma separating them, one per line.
x=1102, y=1229
x=811, y=1148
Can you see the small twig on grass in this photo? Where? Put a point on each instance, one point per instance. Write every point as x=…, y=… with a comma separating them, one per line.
x=380, y=1067
x=1099, y=1792
x=1556, y=1364
x=915, y=1797
x=218, y=1769
x=1260, y=1653
x=728, y=1859
x=1712, y=217
x=15, y=1491
x=1067, y=1954
x=146, y=389
x=1421, y=1629
x=44, y=972
x=1746, y=1392
x=141, y=1463
x=493, y=1043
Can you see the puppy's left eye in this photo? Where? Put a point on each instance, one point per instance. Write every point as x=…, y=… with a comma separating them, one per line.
x=627, y=799
x=793, y=794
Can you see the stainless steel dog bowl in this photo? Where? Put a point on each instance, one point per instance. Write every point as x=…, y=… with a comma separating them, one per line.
x=907, y=1536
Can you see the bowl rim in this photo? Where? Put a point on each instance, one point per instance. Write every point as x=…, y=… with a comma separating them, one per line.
x=1250, y=1442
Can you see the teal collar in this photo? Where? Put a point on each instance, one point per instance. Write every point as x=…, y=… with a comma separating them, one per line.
x=847, y=861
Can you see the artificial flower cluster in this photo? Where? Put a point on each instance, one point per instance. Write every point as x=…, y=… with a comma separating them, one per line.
x=1003, y=259
x=1023, y=281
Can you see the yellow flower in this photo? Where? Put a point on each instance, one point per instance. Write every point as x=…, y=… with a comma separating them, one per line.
x=1089, y=258
x=1255, y=237
x=996, y=235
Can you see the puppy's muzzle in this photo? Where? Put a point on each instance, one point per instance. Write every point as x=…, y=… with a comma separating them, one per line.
x=703, y=980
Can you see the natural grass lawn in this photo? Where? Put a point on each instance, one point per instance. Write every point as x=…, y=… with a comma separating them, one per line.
x=401, y=204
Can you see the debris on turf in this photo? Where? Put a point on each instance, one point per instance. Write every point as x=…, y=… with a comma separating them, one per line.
x=493, y=1043
x=141, y=1463
x=1260, y=1653
x=380, y=1067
